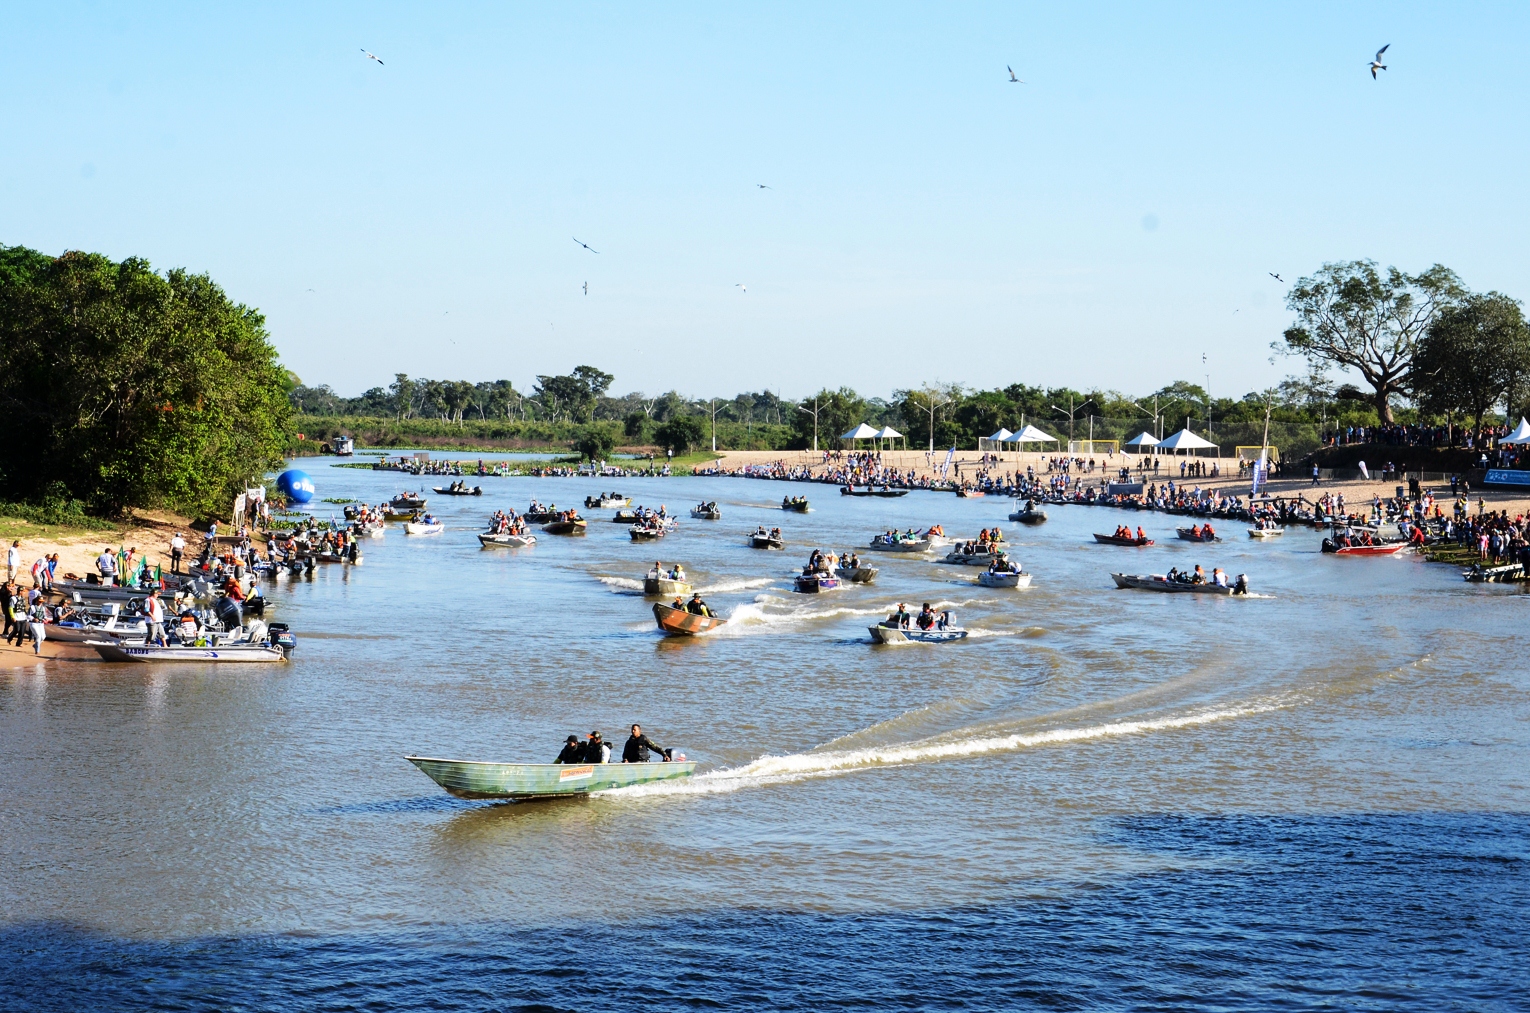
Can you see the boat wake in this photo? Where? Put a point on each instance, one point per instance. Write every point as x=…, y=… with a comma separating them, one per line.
x=622, y=585
x=736, y=585
x=769, y=770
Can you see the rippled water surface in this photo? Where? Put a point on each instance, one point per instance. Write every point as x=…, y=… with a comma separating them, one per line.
x=1315, y=798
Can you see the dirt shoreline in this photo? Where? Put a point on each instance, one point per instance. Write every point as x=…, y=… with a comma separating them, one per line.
x=147, y=531
x=1357, y=492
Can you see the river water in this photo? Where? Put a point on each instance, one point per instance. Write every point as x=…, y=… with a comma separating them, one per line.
x=1310, y=799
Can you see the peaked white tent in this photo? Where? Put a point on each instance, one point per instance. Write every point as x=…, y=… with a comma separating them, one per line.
x=1521, y=433
x=1030, y=434
x=1186, y=440
x=996, y=441
x=888, y=433
x=860, y=432
x=1142, y=442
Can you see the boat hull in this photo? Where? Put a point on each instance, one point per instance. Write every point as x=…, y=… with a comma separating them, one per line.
x=1185, y=534
x=606, y=502
x=1029, y=516
x=234, y=653
x=972, y=558
x=1004, y=579
x=641, y=534
x=478, y=780
x=919, y=545
x=1266, y=532
x=507, y=541
x=806, y=584
x=1389, y=549
x=565, y=527
x=857, y=574
x=761, y=542
x=800, y=508
x=1118, y=540
x=914, y=635
x=416, y=528
x=665, y=586
x=680, y=623
x=1158, y=582
x=442, y=490
x=707, y=515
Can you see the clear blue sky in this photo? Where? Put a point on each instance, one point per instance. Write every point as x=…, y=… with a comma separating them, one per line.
x=1105, y=223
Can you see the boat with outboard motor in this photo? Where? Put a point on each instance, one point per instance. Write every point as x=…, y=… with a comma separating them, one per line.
x=679, y=622
x=407, y=501
x=426, y=525
x=812, y=583
x=254, y=643
x=457, y=490
x=476, y=779
x=1004, y=578
x=1118, y=540
x=980, y=555
x=1029, y=514
x=667, y=585
x=885, y=492
x=571, y=526
x=766, y=540
x=1169, y=584
x=1196, y=533
x=901, y=628
x=1266, y=529
x=606, y=501
x=796, y=503
x=891, y=541
x=505, y=540
x=706, y=512
x=856, y=574
x=647, y=532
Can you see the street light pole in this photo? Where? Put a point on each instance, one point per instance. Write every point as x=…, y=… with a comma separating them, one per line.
x=930, y=407
x=813, y=413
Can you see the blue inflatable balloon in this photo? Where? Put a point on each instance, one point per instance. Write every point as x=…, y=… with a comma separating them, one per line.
x=297, y=486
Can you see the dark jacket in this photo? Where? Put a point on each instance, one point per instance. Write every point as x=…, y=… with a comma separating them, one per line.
x=637, y=747
x=592, y=751
x=573, y=752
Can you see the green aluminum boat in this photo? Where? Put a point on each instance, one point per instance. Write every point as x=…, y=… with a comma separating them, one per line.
x=476, y=779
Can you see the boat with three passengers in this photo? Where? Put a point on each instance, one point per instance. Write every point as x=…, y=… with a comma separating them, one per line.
x=1177, y=582
x=1123, y=536
x=679, y=619
x=893, y=541
x=457, y=488
x=706, y=511
x=762, y=539
x=928, y=627
x=606, y=501
x=796, y=503
x=476, y=779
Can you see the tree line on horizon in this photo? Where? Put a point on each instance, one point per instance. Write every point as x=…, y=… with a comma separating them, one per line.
x=1425, y=348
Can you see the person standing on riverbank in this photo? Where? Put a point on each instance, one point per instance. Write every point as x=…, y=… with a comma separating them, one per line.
x=12, y=559
x=177, y=550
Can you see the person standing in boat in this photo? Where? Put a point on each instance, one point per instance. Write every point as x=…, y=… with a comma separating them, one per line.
x=638, y=745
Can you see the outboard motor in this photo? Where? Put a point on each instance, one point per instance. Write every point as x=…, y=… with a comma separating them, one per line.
x=281, y=636
x=229, y=613
x=1241, y=585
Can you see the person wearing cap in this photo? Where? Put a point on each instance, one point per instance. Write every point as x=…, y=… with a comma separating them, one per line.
x=696, y=606
x=596, y=749
x=572, y=751
x=177, y=550
x=926, y=617
x=12, y=559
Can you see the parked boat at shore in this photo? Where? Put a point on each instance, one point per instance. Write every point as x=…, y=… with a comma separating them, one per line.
x=476, y=779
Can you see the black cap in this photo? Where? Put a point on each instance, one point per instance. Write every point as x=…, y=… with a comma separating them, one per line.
x=572, y=738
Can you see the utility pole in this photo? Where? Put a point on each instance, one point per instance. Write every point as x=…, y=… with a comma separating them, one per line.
x=714, y=425
x=813, y=413
x=1070, y=413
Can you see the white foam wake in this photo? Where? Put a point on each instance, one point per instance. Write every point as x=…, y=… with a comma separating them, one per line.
x=621, y=583
x=827, y=763
x=736, y=585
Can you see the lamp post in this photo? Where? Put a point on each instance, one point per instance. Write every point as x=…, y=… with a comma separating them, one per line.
x=930, y=406
x=813, y=413
x=1071, y=412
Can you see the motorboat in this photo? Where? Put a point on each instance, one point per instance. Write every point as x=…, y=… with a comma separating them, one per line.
x=1378, y=549
x=1010, y=576
x=461, y=490
x=891, y=631
x=1478, y=574
x=506, y=540
x=1029, y=515
x=856, y=574
x=1270, y=532
x=680, y=623
x=1196, y=534
x=965, y=493
x=1118, y=540
x=526, y=781
x=399, y=514
x=989, y=552
x=899, y=543
x=608, y=501
x=540, y=516
x=812, y=583
x=255, y=643
x=667, y=586
x=647, y=532
x=706, y=512
x=625, y=517
x=796, y=503
x=407, y=501
x=573, y=526
x=763, y=541
x=1160, y=582
x=424, y=527
x=885, y=492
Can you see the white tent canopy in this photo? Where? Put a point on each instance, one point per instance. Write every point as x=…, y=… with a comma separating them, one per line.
x=888, y=433
x=1521, y=433
x=860, y=432
x=1030, y=434
x=1002, y=435
x=1142, y=440
x=1186, y=440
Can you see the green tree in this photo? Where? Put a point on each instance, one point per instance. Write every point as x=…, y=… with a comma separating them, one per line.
x=596, y=442
x=827, y=414
x=402, y=389
x=1475, y=355
x=680, y=433
x=1352, y=316
x=634, y=426
x=131, y=388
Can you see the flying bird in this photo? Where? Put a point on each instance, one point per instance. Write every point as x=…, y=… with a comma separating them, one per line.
x=1376, y=64
x=586, y=288
x=1277, y=277
x=1012, y=78
x=762, y=186
x=371, y=57
x=742, y=286
x=587, y=246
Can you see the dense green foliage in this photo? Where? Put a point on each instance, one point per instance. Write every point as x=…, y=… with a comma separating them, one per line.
x=128, y=388
x=1475, y=356
x=595, y=443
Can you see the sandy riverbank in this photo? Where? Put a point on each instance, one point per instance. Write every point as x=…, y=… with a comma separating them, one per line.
x=1356, y=492
x=147, y=531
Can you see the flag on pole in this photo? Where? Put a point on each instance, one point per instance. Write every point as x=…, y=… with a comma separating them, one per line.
x=1261, y=473
x=946, y=466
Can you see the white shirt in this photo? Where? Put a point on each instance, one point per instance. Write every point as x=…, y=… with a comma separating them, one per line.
x=13, y=557
x=177, y=542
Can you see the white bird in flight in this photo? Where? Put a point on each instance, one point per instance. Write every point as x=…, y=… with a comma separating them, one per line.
x=741, y=285
x=371, y=57
x=762, y=186
x=587, y=246
x=586, y=288
x=1376, y=64
x=1012, y=78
